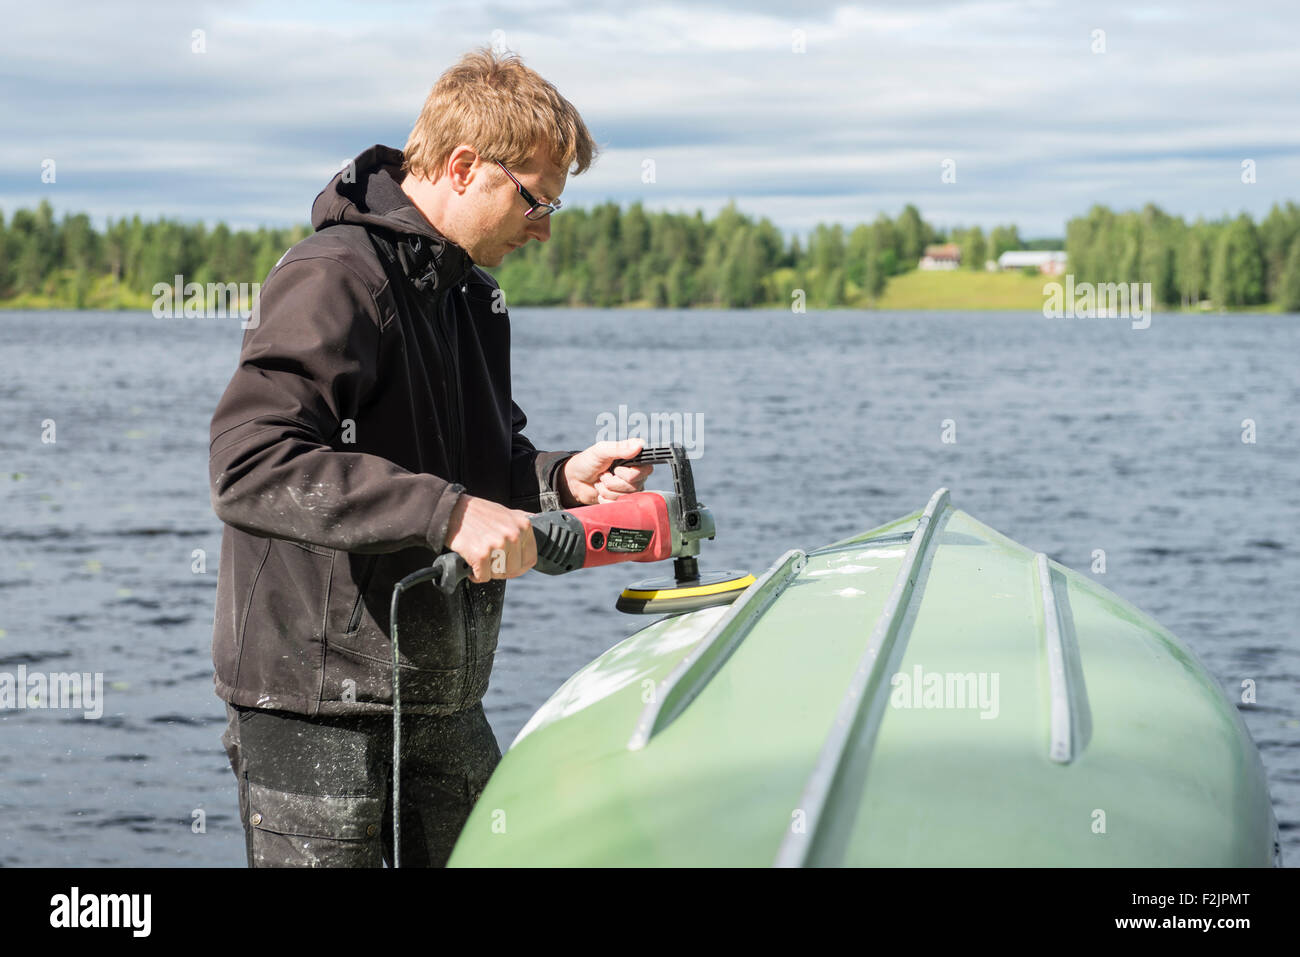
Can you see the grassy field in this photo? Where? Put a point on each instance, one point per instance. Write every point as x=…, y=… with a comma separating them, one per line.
x=63, y=293
x=964, y=289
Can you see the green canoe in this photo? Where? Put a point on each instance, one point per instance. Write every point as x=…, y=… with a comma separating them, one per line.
x=926, y=693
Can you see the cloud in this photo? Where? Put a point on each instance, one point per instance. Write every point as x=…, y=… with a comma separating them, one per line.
x=1040, y=126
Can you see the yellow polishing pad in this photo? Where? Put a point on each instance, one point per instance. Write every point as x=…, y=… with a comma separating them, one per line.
x=667, y=596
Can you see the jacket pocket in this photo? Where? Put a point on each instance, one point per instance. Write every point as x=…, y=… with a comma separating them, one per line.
x=358, y=606
x=281, y=654
x=231, y=635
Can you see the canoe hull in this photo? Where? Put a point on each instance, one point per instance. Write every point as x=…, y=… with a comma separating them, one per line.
x=926, y=693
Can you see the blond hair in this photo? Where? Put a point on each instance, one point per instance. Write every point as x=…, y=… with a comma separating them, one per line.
x=501, y=108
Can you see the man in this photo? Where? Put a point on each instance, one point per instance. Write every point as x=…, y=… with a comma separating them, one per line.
x=369, y=426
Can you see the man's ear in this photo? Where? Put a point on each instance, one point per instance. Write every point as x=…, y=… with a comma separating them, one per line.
x=461, y=168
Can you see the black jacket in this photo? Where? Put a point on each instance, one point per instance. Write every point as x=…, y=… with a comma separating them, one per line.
x=373, y=390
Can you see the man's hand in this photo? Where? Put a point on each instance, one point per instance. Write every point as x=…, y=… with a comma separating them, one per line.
x=496, y=542
x=587, y=479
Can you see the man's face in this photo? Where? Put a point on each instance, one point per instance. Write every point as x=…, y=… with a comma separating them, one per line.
x=494, y=222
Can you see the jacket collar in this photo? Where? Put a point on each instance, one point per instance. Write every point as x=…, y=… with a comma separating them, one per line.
x=433, y=263
x=368, y=192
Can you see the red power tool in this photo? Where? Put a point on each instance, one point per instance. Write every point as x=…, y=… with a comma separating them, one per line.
x=639, y=527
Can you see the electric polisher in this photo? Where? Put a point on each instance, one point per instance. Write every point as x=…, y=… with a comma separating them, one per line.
x=638, y=527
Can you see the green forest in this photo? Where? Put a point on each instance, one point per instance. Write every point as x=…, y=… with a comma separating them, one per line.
x=608, y=255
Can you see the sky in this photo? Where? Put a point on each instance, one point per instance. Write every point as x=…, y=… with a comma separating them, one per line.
x=1037, y=114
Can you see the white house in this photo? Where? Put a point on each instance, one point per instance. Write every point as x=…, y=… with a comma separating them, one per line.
x=1050, y=262
x=947, y=256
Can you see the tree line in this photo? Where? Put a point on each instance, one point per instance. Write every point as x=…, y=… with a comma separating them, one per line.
x=68, y=263
x=1229, y=262
x=608, y=255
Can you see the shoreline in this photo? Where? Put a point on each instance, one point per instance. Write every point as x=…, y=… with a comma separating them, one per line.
x=912, y=291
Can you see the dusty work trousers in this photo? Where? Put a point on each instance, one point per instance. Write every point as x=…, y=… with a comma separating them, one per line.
x=317, y=792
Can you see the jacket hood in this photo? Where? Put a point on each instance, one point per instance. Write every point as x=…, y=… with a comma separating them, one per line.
x=368, y=193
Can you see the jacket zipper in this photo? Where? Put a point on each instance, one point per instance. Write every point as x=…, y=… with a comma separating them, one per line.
x=465, y=600
x=457, y=450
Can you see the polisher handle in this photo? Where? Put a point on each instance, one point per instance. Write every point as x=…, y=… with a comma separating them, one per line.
x=560, y=548
x=651, y=455
x=449, y=570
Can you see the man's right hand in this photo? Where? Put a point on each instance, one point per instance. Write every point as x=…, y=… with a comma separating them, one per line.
x=495, y=541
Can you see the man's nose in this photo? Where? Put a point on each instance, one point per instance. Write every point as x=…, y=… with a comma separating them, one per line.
x=540, y=229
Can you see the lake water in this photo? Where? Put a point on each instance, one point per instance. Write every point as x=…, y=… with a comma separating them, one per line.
x=1070, y=436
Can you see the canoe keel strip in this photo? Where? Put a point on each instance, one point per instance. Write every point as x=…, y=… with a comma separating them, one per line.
x=694, y=671
x=1071, y=719
x=829, y=801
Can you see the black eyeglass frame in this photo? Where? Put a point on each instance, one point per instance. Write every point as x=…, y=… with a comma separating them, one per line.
x=534, y=204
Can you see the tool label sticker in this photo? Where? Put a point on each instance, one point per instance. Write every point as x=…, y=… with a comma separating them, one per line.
x=628, y=539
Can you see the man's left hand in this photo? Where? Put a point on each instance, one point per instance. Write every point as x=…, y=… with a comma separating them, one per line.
x=588, y=479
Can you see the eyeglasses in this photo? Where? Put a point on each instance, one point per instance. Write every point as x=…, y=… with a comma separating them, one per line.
x=536, y=209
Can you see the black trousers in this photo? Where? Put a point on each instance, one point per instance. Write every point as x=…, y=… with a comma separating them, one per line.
x=317, y=792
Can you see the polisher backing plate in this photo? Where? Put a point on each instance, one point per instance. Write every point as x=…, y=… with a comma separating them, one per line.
x=668, y=596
